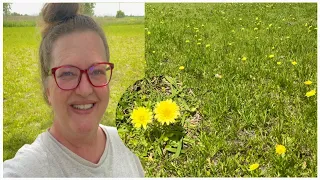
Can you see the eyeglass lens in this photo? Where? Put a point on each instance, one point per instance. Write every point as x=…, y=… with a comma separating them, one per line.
x=69, y=77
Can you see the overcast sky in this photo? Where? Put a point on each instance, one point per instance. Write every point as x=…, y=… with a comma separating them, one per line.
x=101, y=9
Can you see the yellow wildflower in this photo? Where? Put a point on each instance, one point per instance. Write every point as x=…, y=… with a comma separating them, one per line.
x=279, y=63
x=311, y=93
x=187, y=41
x=181, y=67
x=153, y=52
x=280, y=149
x=166, y=111
x=271, y=56
x=141, y=116
x=244, y=58
x=308, y=82
x=294, y=62
x=149, y=32
x=253, y=166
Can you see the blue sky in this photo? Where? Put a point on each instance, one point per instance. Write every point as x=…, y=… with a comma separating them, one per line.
x=101, y=9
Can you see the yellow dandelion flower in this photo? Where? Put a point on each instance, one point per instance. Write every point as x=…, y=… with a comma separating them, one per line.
x=279, y=63
x=253, y=166
x=271, y=56
x=311, y=93
x=166, y=111
x=141, y=116
x=208, y=45
x=149, y=32
x=240, y=19
x=187, y=41
x=244, y=58
x=255, y=29
x=181, y=67
x=294, y=63
x=308, y=82
x=280, y=149
x=257, y=18
x=153, y=52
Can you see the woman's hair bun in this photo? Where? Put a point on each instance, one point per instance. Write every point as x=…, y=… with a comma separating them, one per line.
x=53, y=13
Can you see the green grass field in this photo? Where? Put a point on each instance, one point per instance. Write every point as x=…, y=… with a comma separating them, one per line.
x=25, y=113
x=247, y=63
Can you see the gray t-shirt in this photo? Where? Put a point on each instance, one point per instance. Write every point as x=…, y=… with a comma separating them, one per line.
x=46, y=157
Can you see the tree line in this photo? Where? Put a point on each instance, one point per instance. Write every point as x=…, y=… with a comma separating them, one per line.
x=85, y=8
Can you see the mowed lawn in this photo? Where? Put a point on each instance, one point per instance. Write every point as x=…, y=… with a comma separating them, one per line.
x=248, y=63
x=25, y=112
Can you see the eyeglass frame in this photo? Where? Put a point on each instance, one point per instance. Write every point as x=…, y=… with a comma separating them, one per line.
x=53, y=72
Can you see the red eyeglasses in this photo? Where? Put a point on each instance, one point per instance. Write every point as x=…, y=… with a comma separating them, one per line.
x=68, y=77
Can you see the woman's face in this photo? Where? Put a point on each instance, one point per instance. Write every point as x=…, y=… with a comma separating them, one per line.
x=79, y=110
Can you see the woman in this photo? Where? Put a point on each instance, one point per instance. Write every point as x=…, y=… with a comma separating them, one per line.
x=75, y=70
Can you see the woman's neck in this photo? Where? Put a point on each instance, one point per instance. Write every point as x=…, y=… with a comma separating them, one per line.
x=89, y=146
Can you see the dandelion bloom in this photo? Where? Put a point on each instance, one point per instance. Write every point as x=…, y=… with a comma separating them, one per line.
x=181, y=67
x=141, y=116
x=244, y=59
x=253, y=166
x=153, y=52
x=308, y=82
x=271, y=56
x=311, y=93
x=149, y=32
x=280, y=149
x=167, y=111
x=294, y=62
x=279, y=63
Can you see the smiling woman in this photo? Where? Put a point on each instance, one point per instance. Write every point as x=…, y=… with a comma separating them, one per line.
x=75, y=73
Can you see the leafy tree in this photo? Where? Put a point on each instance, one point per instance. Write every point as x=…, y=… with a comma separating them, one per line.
x=87, y=8
x=120, y=14
x=6, y=9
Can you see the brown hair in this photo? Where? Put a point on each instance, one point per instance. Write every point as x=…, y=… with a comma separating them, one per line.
x=61, y=19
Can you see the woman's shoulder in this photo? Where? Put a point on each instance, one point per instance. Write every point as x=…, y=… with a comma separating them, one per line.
x=28, y=161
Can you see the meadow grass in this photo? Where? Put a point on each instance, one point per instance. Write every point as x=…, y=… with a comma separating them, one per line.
x=25, y=112
x=239, y=60
x=32, y=21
